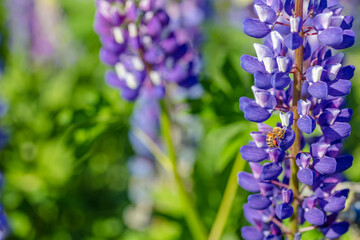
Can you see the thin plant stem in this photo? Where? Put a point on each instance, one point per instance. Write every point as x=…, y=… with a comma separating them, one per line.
x=155, y=150
x=296, y=148
x=305, y=229
x=281, y=226
x=192, y=218
x=227, y=200
x=167, y=164
x=191, y=215
x=280, y=184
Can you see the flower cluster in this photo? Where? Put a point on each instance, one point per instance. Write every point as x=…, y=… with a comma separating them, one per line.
x=187, y=16
x=325, y=81
x=35, y=30
x=138, y=40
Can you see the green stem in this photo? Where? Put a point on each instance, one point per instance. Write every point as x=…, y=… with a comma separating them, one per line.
x=155, y=150
x=191, y=215
x=294, y=182
x=227, y=201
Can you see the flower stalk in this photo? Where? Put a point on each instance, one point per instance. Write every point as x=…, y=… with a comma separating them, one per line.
x=169, y=162
x=227, y=200
x=312, y=98
x=296, y=148
x=190, y=213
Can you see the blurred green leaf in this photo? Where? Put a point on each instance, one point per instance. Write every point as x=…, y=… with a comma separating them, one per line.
x=228, y=153
x=220, y=144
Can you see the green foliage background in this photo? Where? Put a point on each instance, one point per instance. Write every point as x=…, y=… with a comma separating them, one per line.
x=65, y=166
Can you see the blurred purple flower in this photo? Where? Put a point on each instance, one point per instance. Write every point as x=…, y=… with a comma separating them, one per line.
x=146, y=47
x=143, y=167
x=36, y=28
x=146, y=117
x=4, y=226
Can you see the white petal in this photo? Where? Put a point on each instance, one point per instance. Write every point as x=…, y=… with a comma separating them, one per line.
x=316, y=73
x=131, y=81
x=269, y=64
x=120, y=70
x=138, y=63
x=155, y=77
x=133, y=32
x=262, y=51
x=118, y=34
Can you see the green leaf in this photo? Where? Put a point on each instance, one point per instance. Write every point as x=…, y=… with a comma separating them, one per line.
x=221, y=143
x=228, y=154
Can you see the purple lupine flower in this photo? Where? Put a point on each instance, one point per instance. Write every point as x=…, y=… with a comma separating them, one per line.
x=142, y=178
x=146, y=117
x=353, y=211
x=35, y=30
x=4, y=225
x=325, y=81
x=143, y=47
x=186, y=17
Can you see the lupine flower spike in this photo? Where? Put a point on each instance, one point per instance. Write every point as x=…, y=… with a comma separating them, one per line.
x=143, y=48
x=298, y=73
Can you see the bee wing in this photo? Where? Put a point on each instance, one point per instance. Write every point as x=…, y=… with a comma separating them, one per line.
x=264, y=128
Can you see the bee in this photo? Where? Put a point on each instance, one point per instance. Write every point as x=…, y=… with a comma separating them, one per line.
x=274, y=136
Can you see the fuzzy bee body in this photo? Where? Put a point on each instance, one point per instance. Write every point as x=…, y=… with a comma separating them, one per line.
x=274, y=136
